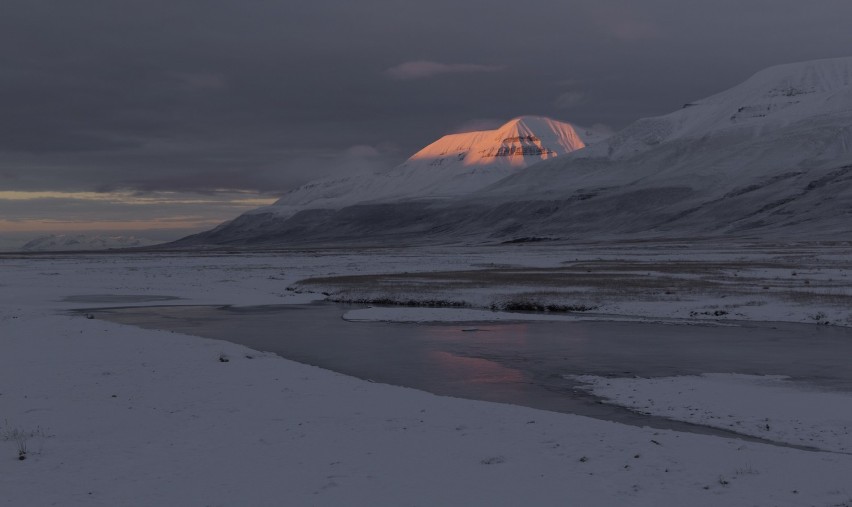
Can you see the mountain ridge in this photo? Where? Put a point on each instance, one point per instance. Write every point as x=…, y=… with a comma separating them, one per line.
x=770, y=156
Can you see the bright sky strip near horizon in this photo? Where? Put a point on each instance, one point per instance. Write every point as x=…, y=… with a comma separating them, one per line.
x=129, y=115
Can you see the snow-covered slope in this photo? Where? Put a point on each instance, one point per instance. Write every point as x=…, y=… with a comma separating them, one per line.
x=770, y=153
x=770, y=100
x=771, y=156
x=68, y=242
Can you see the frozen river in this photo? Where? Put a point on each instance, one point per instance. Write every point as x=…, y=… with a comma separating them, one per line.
x=523, y=363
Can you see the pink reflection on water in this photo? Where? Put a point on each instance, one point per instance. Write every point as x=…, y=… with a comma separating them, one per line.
x=476, y=370
x=473, y=369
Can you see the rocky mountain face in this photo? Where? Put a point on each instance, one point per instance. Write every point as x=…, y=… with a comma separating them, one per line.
x=519, y=143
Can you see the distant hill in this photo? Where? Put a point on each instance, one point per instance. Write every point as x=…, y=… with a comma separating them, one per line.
x=68, y=242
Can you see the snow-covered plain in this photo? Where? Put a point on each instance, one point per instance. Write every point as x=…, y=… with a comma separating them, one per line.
x=682, y=282
x=116, y=415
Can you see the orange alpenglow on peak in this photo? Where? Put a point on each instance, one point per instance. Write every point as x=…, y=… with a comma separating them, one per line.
x=519, y=143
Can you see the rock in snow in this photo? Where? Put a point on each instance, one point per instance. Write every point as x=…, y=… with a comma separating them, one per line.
x=769, y=157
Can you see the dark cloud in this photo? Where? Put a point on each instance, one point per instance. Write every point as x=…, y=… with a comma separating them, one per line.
x=261, y=95
x=570, y=99
x=477, y=124
x=423, y=69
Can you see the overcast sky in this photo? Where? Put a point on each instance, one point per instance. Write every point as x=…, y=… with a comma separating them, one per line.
x=181, y=113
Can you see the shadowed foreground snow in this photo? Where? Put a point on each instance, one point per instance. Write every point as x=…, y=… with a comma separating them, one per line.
x=115, y=415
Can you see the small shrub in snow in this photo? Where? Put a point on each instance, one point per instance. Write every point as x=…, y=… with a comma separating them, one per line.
x=22, y=447
x=535, y=306
x=746, y=470
x=21, y=439
x=819, y=317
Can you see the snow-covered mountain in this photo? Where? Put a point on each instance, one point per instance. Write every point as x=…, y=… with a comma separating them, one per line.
x=771, y=156
x=773, y=153
x=454, y=165
x=451, y=167
x=518, y=143
x=78, y=242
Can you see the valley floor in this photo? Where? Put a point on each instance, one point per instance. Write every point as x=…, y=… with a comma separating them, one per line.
x=117, y=415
